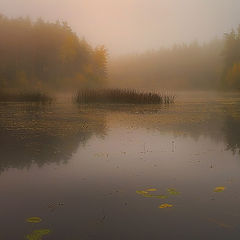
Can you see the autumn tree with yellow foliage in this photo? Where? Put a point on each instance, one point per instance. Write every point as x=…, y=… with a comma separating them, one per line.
x=44, y=55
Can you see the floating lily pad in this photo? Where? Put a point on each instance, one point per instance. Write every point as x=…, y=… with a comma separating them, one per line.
x=173, y=191
x=155, y=196
x=165, y=205
x=147, y=194
x=141, y=192
x=219, y=189
x=34, y=219
x=37, y=234
x=151, y=190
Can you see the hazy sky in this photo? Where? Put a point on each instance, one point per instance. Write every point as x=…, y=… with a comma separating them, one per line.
x=134, y=25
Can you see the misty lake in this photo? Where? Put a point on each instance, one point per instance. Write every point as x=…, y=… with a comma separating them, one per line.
x=121, y=172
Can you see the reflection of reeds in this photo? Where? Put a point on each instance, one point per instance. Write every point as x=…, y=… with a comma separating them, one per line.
x=33, y=96
x=121, y=96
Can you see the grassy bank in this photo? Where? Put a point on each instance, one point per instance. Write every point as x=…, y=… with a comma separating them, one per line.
x=121, y=96
x=33, y=96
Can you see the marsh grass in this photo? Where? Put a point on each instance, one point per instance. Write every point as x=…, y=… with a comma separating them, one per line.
x=32, y=96
x=121, y=96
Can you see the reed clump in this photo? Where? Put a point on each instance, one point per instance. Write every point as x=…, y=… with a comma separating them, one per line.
x=121, y=96
x=32, y=96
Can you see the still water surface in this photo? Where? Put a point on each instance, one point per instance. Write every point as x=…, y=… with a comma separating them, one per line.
x=78, y=169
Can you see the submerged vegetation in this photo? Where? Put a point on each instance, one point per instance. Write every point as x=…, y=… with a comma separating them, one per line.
x=121, y=96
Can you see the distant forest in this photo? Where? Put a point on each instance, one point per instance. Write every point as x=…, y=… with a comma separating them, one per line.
x=43, y=55
x=214, y=65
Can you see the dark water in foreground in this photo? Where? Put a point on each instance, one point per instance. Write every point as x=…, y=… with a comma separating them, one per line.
x=78, y=169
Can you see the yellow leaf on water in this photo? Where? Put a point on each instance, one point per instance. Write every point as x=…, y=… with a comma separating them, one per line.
x=34, y=219
x=219, y=189
x=141, y=192
x=155, y=196
x=165, y=205
x=151, y=190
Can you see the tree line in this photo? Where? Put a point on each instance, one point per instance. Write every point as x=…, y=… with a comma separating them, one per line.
x=212, y=65
x=44, y=55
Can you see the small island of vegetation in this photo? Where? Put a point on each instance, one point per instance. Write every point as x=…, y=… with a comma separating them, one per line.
x=121, y=96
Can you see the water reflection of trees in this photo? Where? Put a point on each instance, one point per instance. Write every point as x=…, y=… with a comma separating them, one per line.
x=32, y=134
x=221, y=122
x=232, y=133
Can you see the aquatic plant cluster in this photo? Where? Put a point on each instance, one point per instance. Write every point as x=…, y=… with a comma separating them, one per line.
x=33, y=96
x=36, y=234
x=121, y=96
x=149, y=193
